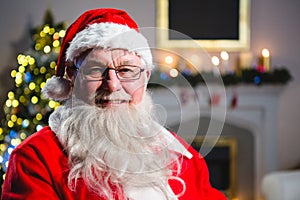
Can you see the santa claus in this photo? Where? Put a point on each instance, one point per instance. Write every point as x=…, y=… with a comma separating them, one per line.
x=104, y=142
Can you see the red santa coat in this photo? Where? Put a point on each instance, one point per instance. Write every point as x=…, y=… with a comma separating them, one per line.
x=38, y=169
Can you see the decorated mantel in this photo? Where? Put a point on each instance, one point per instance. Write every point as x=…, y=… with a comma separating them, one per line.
x=247, y=98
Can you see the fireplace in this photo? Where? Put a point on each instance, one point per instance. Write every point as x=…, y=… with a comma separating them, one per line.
x=221, y=162
x=230, y=161
x=251, y=122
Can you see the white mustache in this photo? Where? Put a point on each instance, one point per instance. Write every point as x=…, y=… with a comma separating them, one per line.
x=115, y=96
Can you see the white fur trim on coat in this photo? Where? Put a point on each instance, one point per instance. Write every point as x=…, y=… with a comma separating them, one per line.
x=109, y=36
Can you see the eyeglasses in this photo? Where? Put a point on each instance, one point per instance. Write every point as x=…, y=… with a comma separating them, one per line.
x=123, y=72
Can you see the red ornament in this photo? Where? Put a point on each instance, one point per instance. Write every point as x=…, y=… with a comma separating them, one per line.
x=234, y=101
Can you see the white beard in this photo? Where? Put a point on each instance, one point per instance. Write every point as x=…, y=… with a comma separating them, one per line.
x=120, y=146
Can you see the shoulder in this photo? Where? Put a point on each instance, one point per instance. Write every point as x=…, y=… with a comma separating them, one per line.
x=43, y=140
x=42, y=150
x=186, y=145
x=45, y=135
x=37, y=167
x=196, y=164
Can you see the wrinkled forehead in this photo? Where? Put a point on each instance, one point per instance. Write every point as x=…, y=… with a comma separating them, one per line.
x=109, y=57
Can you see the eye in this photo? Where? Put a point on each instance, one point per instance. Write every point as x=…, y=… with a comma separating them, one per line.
x=93, y=71
x=126, y=69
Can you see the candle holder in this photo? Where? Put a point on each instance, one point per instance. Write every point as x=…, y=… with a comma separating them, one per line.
x=264, y=61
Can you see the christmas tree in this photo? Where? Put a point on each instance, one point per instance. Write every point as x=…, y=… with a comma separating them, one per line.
x=26, y=111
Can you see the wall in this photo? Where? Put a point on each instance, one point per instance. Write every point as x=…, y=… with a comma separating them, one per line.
x=274, y=24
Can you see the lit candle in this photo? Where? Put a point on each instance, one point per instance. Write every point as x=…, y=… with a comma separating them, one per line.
x=265, y=59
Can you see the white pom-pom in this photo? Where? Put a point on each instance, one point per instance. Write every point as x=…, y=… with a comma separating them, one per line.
x=57, y=88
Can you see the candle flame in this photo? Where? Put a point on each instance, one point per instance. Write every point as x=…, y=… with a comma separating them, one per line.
x=265, y=53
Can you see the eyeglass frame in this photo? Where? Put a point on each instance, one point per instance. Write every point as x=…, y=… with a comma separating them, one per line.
x=105, y=72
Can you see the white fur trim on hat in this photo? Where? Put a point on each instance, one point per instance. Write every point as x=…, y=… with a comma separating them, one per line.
x=109, y=36
x=57, y=88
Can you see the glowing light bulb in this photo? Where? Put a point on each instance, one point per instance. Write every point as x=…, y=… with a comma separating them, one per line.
x=11, y=95
x=173, y=73
x=23, y=136
x=46, y=29
x=51, y=104
x=10, y=124
x=38, y=46
x=169, y=60
x=9, y=150
x=55, y=36
x=32, y=86
x=224, y=55
x=8, y=103
x=39, y=116
x=38, y=127
x=2, y=147
x=52, y=65
x=14, y=118
x=62, y=33
x=215, y=60
x=22, y=69
x=25, y=123
x=43, y=70
x=56, y=43
x=19, y=121
x=13, y=73
x=20, y=59
x=42, y=34
x=52, y=31
x=31, y=61
x=34, y=100
x=47, y=49
x=15, y=103
x=42, y=85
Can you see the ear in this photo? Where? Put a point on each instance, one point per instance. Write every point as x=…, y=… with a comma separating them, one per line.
x=148, y=74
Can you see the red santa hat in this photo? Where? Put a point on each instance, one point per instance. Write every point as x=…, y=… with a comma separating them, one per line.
x=106, y=28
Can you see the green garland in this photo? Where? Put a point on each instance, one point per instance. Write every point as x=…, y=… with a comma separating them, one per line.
x=247, y=76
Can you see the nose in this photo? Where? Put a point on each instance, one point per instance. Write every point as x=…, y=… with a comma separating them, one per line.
x=111, y=82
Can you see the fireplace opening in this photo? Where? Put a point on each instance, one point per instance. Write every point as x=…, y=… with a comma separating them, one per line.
x=221, y=162
x=218, y=162
x=244, y=156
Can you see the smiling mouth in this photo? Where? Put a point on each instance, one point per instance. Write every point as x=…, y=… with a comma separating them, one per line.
x=107, y=102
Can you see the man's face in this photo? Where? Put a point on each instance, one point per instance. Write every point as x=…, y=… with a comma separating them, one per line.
x=100, y=91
